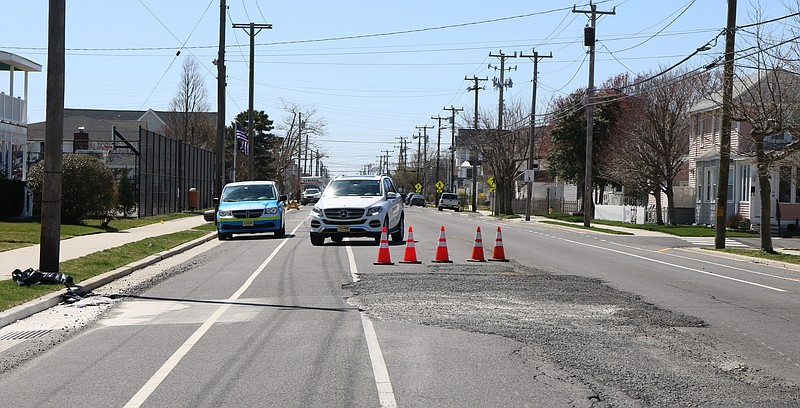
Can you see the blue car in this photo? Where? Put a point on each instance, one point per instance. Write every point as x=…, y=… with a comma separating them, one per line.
x=250, y=207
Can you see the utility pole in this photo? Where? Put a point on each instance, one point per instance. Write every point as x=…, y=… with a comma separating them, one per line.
x=219, y=180
x=306, y=164
x=725, y=132
x=439, y=119
x=453, y=145
x=475, y=88
x=251, y=31
x=50, y=234
x=532, y=142
x=501, y=84
x=588, y=41
x=299, y=153
x=424, y=157
x=419, y=152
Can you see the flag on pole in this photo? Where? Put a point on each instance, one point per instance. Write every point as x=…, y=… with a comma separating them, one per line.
x=242, y=137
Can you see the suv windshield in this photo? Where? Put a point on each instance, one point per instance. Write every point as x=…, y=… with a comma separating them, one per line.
x=449, y=196
x=248, y=193
x=339, y=188
x=311, y=191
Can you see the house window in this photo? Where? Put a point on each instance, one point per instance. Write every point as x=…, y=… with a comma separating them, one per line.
x=698, y=130
x=730, y=183
x=785, y=185
x=707, y=124
x=744, y=183
x=710, y=185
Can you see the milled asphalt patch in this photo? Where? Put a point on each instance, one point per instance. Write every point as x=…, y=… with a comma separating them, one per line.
x=629, y=352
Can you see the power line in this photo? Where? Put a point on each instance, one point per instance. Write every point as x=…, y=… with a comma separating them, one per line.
x=659, y=31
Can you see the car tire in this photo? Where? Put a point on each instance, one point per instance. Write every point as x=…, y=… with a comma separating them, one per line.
x=222, y=236
x=337, y=238
x=457, y=210
x=317, y=239
x=397, y=236
x=440, y=209
x=281, y=232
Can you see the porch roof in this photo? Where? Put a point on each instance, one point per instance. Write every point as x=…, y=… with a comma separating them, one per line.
x=713, y=154
x=8, y=60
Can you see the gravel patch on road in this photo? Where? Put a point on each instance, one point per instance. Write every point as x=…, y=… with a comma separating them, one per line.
x=629, y=352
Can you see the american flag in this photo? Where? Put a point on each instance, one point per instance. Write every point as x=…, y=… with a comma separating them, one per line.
x=241, y=137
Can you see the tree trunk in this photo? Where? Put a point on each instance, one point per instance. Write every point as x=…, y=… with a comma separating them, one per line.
x=670, y=203
x=766, y=206
x=659, y=212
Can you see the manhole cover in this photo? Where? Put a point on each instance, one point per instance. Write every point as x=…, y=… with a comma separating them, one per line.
x=24, y=335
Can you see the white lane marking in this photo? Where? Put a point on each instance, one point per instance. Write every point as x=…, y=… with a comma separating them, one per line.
x=379, y=371
x=735, y=268
x=162, y=373
x=675, y=265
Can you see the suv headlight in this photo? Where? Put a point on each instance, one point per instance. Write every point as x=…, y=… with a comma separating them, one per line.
x=271, y=210
x=316, y=210
x=224, y=213
x=373, y=210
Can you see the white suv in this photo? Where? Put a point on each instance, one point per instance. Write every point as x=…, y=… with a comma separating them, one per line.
x=448, y=200
x=357, y=206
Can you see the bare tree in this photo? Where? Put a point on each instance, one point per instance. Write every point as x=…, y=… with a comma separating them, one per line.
x=300, y=123
x=502, y=152
x=652, y=132
x=187, y=120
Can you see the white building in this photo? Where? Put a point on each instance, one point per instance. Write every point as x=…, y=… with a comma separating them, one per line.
x=14, y=116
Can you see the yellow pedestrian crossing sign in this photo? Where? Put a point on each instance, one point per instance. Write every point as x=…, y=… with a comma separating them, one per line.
x=418, y=187
x=491, y=183
x=439, y=186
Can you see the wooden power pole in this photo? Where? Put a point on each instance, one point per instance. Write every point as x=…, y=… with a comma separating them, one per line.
x=50, y=239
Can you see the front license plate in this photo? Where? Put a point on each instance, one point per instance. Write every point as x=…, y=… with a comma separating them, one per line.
x=343, y=228
x=248, y=223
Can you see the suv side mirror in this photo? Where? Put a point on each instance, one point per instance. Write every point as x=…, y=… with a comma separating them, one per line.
x=283, y=197
x=391, y=195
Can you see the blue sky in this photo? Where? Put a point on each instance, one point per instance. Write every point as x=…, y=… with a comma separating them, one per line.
x=369, y=90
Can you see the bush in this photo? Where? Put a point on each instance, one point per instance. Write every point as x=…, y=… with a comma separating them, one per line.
x=126, y=196
x=733, y=221
x=87, y=188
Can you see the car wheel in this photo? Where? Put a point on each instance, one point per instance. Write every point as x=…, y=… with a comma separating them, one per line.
x=281, y=232
x=317, y=239
x=457, y=210
x=223, y=236
x=337, y=238
x=397, y=236
x=440, y=208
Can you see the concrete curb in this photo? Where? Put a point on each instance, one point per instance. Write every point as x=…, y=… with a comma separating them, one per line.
x=52, y=299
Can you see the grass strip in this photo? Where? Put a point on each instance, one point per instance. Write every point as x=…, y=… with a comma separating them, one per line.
x=755, y=253
x=20, y=234
x=677, y=230
x=96, y=264
x=581, y=226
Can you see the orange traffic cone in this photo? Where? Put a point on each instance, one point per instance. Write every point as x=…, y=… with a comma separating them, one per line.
x=441, y=250
x=477, y=248
x=498, y=254
x=384, y=258
x=410, y=255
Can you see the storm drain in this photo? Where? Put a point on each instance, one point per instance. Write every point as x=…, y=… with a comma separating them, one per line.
x=24, y=335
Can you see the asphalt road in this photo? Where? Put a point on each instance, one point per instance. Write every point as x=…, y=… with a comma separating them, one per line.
x=576, y=319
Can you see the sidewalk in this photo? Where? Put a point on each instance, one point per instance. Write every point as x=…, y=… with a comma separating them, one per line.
x=76, y=247
x=632, y=231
